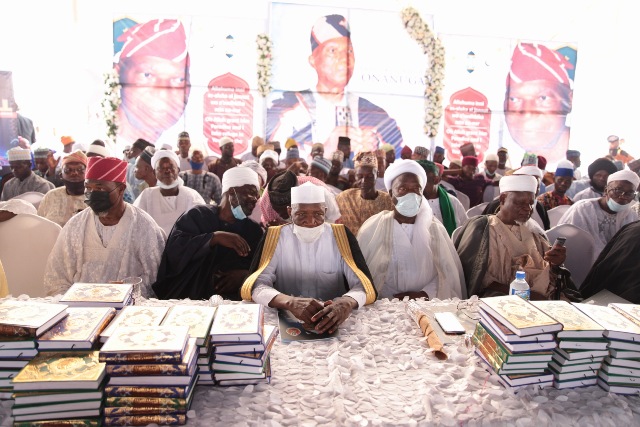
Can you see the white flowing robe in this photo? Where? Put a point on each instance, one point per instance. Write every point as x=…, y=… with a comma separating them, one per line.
x=133, y=250
x=59, y=207
x=588, y=193
x=458, y=210
x=426, y=262
x=589, y=216
x=313, y=270
x=166, y=210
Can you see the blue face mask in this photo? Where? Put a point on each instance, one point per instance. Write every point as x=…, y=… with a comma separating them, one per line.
x=617, y=207
x=196, y=166
x=408, y=205
x=237, y=211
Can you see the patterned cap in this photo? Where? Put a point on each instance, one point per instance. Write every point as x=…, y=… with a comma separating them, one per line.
x=75, y=157
x=366, y=159
x=322, y=163
x=163, y=38
x=533, y=61
x=16, y=154
x=421, y=151
x=41, y=153
x=327, y=28
x=106, y=169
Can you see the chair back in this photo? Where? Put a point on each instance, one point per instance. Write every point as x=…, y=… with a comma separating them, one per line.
x=580, y=247
x=27, y=241
x=464, y=199
x=32, y=197
x=455, y=234
x=490, y=193
x=476, y=210
x=556, y=213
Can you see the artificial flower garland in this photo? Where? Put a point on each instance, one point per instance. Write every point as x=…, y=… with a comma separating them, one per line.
x=111, y=102
x=264, y=64
x=434, y=76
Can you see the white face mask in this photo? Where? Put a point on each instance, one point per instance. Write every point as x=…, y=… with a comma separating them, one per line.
x=174, y=184
x=308, y=235
x=408, y=205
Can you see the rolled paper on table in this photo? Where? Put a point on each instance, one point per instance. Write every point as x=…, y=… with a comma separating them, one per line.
x=432, y=337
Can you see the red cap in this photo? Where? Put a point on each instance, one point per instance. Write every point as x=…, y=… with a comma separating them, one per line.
x=406, y=150
x=533, y=61
x=163, y=38
x=106, y=169
x=470, y=161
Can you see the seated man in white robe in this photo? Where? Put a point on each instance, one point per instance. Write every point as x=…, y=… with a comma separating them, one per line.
x=604, y=216
x=169, y=198
x=409, y=251
x=311, y=268
x=111, y=241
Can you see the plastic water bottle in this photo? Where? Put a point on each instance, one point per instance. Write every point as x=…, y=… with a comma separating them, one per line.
x=520, y=287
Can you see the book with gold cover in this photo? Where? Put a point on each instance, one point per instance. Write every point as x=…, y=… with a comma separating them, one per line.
x=61, y=371
x=630, y=311
x=197, y=318
x=119, y=411
x=575, y=324
x=29, y=319
x=239, y=323
x=160, y=392
x=155, y=340
x=76, y=422
x=143, y=420
x=185, y=367
x=98, y=295
x=178, y=403
x=617, y=326
x=79, y=330
x=498, y=354
x=520, y=316
x=135, y=316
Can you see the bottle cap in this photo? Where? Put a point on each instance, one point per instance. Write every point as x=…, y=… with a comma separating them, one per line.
x=520, y=275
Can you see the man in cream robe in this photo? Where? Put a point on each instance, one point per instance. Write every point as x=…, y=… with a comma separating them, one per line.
x=169, y=199
x=409, y=251
x=111, y=241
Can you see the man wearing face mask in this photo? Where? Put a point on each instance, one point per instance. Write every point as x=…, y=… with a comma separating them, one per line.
x=409, y=251
x=169, y=198
x=210, y=247
x=604, y=216
x=60, y=204
x=311, y=284
x=110, y=241
x=206, y=183
x=493, y=247
x=135, y=185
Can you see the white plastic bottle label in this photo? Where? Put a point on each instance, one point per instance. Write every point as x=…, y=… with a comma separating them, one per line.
x=524, y=294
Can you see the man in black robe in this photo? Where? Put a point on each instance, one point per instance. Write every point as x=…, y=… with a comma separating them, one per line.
x=210, y=248
x=616, y=268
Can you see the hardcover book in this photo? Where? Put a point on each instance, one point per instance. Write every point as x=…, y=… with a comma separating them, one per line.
x=98, y=295
x=619, y=389
x=47, y=396
x=564, y=369
x=143, y=420
x=624, y=354
x=584, y=344
x=251, y=359
x=197, y=318
x=178, y=403
x=624, y=345
x=625, y=380
x=292, y=329
x=28, y=318
x=135, y=316
x=120, y=411
x=520, y=380
x=154, y=380
x=575, y=324
x=576, y=375
x=506, y=335
x=76, y=422
x=220, y=367
x=7, y=343
x=620, y=370
x=630, y=311
x=570, y=354
x=238, y=323
x=156, y=340
x=584, y=382
x=79, y=330
x=520, y=316
x=617, y=326
x=61, y=371
x=633, y=364
x=18, y=353
x=136, y=391
x=185, y=367
x=482, y=337
x=64, y=415
x=56, y=407
x=515, y=368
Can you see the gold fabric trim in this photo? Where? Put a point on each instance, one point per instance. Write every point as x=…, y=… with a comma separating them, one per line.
x=268, y=249
x=345, y=250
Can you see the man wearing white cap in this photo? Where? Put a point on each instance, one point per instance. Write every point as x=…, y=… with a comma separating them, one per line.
x=562, y=180
x=169, y=198
x=604, y=216
x=490, y=167
x=210, y=247
x=493, y=247
x=302, y=266
x=24, y=179
x=226, y=161
x=269, y=160
x=408, y=250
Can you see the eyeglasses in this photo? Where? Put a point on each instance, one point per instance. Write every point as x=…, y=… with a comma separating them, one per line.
x=621, y=193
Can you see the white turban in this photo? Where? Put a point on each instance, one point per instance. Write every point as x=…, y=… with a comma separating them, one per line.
x=18, y=206
x=224, y=141
x=161, y=154
x=18, y=154
x=625, y=175
x=99, y=150
x=307, y=193
x=79, y=146
x=237, y=177
x=256, y=167
x=401, y=166
x=269, y=154
x=166, y=146
x=529, y=170
x=491, y=158
x=518, y=183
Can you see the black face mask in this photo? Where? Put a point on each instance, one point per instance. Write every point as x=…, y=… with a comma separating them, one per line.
x=99, y=201
x=74, y=188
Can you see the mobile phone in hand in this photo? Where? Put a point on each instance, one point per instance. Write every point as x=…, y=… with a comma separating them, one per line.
x=560, y=241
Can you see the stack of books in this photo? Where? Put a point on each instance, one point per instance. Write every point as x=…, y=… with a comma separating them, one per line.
x=620, y=370
x=241, y=345
x=581, y=345
x=116, y=295
x=59, y=386
x=150, y=362
x=516, y=340
x=198, y=319
x=79, y=330
x=21, y=323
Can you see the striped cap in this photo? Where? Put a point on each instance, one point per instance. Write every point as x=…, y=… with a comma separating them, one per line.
x=327, y=28
x=533, y=61
x=162, y=38
x=106, y=169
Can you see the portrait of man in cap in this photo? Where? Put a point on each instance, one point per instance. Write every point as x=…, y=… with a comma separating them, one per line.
x=329, y=110
x=153, y=70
